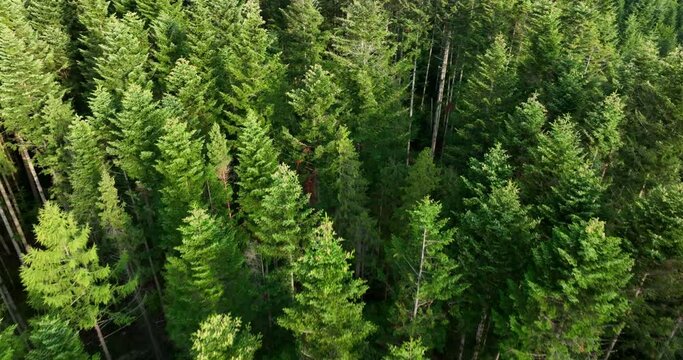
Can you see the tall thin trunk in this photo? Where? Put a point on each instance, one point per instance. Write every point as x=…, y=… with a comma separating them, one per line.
x=451, y=87
x=412, y=105
x=103, y=344
x=31, y=169
x=442, y=85
x=614, y=340
x=4, y=267
x=291, y=275
x=10, y=232
x=10, y=192
x=416, y=304
x=429, y=63
x=462, y=346
x=479, y=335
x=4, y=245
x=11, y=306
x=13, y=215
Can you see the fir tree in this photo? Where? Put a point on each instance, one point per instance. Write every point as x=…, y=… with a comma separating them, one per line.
x=303, y=39
x=53, y=338
x=66, y=277
x=206, y=276
x=423, y=179
x=522, y=128
x=327, y=318
x=409, y=350
x=603, y=133
x=84, y=174
x=181, y=167
x=257, y=162
x=169, y=30
x=92, y=16
x=218, y=172
x=427, y=279
x=223, y=337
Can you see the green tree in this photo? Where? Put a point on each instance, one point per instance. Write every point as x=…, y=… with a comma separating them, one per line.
x=257, y=161
x=84, y=174
x=65, y=276
x=48, y=18
x=181, y=167
x=422, y=180
x=303, y=40
x=327, y=319
x=522, y=128
x=218, y=172
x=169, y=30
x=427, y=278
x=409, y=350
x=574, y=291
x=222, y=337
x=93, y=17
x=284, y=222
x=53, y=338
x=206, y=276
x=11, y=345
x=560, y=181
x=603, y=133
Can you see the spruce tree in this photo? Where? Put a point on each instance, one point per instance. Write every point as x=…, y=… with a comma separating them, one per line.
x=304, y=42
x=521, y=130
x=603, y=133
x=93, y=17
x=53, y=338
x=574, y=291
x=222, y=337
x=48, y=18
x=218, y=172
x=84, y=175
x=205, y=277
x=257, y=162
x=409, y=350
x=327, y=319
x=169, y=30
x=181, y=168
x=422, y=180
x=66, y=277
x=427, y=279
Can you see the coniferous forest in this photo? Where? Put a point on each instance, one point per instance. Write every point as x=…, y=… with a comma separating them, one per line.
x=341, y=179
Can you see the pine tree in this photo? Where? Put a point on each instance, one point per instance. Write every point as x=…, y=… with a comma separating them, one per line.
x=574, y=291
x=205, y=277
x=351, y=217
x=522, y=128
x=487, y=97
x=188, y=98
x=327, y=318
x=223, y=337
x=218, y=171
x=409, y=350
x=427, y=279
x=48, y=18
x=169, y=30
x=66, y=276
x=603, y=133
x=257, y=162
x=84, y=175
x=181, y=167
x=560, y=182
x=53, y=338
x=284, y=221
x=92, y=16
x=136, y=129
x=423, y=179
x=304, y=42
x=124, y=57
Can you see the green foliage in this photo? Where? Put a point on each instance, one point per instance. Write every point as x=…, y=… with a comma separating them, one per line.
x=427, y=278
x=84, y=174
x=65, y=276
x=522, y=128
x=422, y=180
x=327, y=317
x=223, y=337
x=169, y=30
x=53, y=338
x=257, y=162
x=181, y=167
x=409, y=350
x=205, y=277
x=11, y=345
x=303, y=39
x=218, y=172
x=575, y=290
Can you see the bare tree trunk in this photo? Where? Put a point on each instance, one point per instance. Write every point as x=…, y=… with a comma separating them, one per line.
x=11, y=306
x=412, y=105
x=31, y=169
x=13, y=215
x=416, y=304
x=4, y=246
x=10, y=192
x=451, y=87
x=462, y=346
x=614, y=340
x=10, y=232
x=442, y=85
x=103, y=344
x=429, y=63
x=479, y=335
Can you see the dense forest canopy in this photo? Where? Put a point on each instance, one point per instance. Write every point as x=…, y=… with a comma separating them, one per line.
x=341, y=179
